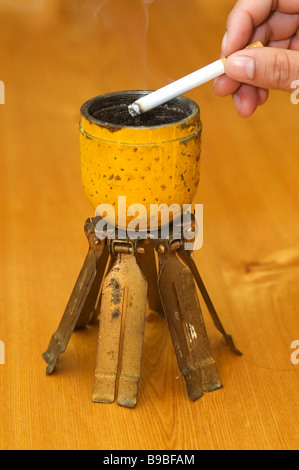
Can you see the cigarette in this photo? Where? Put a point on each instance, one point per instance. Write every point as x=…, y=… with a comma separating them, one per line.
x=179, y=87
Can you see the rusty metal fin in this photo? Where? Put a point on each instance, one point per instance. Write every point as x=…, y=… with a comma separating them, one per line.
x=121, y=333
x=76, y=312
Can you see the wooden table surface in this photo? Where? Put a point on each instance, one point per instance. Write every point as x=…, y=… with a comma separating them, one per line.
x=54, y=56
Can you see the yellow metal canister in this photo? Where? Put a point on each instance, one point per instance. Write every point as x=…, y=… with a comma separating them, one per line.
x=152, y=159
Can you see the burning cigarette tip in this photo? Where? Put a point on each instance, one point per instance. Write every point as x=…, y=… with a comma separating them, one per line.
x=134, y=110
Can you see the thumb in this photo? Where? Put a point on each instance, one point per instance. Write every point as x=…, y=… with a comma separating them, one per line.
x=266, y=67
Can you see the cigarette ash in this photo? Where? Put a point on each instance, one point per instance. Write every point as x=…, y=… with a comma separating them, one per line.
x=134, y=110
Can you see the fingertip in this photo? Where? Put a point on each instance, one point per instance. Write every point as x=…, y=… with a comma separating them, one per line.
x=224, y=86
x=263, y=95
x=246, y=100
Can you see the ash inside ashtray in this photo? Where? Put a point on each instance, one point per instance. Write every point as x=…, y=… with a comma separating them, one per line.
x=113, y=110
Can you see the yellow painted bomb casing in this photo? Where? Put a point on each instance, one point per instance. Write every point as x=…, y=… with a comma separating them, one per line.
x=150, y=159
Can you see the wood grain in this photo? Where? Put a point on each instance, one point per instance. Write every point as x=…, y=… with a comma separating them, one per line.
x=54, y=58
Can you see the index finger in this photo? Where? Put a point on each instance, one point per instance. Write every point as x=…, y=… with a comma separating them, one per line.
x=247, y=15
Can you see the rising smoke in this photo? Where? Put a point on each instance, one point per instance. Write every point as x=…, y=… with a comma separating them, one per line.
x=129, y=26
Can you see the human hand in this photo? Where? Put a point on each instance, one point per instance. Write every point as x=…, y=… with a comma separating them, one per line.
x=250, y=73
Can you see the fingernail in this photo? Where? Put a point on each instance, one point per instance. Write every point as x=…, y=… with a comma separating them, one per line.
x=224, y=41
x=240, y=67
x=216, y=80
x=237, y=101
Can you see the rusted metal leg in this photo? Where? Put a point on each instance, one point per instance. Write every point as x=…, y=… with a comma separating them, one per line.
x=147, y=263
x=109, y=336
x=170, y=278
x=121, y=332
x=92, y=270
x=196, y=331
x=187, y=257
x=133, y=336
x=90, y=310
